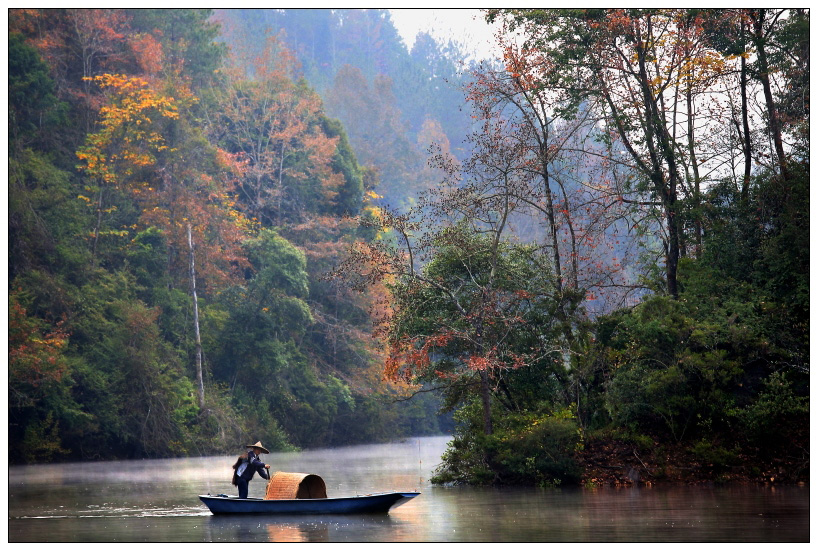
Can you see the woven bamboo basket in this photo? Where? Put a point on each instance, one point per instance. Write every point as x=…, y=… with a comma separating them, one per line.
x=295, y=486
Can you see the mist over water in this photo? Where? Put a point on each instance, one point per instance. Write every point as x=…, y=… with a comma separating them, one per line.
x=156, y=501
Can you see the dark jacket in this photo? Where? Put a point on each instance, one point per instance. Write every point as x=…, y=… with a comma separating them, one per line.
x=255, y=465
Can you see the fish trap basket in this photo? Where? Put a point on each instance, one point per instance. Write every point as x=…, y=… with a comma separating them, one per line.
x=295, y=486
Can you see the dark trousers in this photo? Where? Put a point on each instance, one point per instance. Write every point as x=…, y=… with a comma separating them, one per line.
x=242, y=488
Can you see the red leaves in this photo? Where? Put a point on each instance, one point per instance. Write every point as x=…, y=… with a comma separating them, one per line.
x=35, y=353
x=148, y=52
x=411, y=357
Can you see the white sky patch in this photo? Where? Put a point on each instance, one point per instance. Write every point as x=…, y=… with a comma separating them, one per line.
x=465, y=26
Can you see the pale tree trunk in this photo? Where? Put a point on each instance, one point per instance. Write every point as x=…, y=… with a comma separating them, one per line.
x=99, y=223
x=280, y=181
x=199, y=377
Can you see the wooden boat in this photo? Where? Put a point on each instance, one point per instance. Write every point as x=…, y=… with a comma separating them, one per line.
x=303, y=494
x=371, y=503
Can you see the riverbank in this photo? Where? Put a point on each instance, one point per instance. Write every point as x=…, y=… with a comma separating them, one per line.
x=611, y=462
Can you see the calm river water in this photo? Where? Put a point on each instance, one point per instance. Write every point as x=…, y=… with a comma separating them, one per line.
x=156, y=501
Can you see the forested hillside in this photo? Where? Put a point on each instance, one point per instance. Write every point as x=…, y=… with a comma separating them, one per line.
x=394, y=103
x=173, y=207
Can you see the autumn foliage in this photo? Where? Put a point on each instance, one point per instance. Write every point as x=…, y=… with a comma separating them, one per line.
x=36, y=355
x=177, y=209
x=599, y=238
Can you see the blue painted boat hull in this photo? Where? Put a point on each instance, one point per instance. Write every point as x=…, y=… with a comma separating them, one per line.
x=372, y=503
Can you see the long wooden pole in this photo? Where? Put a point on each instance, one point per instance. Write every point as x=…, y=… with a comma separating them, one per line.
x=199, y=377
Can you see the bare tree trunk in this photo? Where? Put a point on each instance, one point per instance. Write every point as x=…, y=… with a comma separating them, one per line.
x=694, y=163
x=759, y=41
x=746, y=143
x=659, y=147
x=280, y=181
x=485, y=395
x=485, y=387
x=199, y=377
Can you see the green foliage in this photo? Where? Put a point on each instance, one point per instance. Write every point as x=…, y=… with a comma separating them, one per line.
x=778, y=419
x=189, y=40
x=41, y=442
x=39, y=382
x=537, y=449
x=47, y=223
x=252, y=415
x=525, y=449
x=716, y=457
x=724, y=365
x=254, y=325
x=465, y=461
x=470, y=296
x=128, y=379
x=277, y=265
x=146, y=256
x=680, y=363
x=651, y=400
x=344, y=162
x=33, y=105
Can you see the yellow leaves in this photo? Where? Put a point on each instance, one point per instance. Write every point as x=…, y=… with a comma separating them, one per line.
x=128, y=138
x=109, y=233
x=733, y=57
x=374, y=212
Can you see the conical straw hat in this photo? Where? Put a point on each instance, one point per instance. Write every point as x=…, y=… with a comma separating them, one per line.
x=259, y=446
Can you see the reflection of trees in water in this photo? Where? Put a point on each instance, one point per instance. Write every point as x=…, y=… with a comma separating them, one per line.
x=292, y=528
x=298, y=533
x=634, y=514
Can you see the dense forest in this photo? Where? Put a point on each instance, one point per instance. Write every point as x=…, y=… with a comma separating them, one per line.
x=284, y=225
x=174, y=205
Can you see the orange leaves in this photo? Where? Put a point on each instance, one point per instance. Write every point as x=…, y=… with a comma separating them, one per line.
x=449, y=354
x=410, y=357
x=92, y=39
x=277, y=131
x=405, y=359
x=523, y=295
x=479, y=363
x=148, y=52
x=672, y=47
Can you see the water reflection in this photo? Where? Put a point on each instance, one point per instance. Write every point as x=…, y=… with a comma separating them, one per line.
x=291, y=528
x=156, y=501
x=740, y=514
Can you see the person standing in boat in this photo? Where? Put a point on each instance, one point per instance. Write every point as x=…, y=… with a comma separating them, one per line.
x=247, y=466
